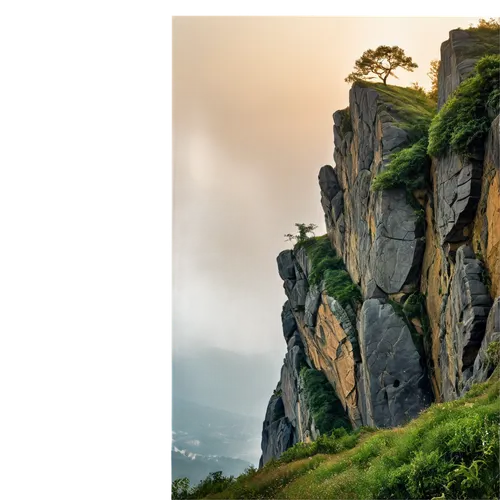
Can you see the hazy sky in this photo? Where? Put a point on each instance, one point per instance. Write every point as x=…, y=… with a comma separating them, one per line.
x=253, y=100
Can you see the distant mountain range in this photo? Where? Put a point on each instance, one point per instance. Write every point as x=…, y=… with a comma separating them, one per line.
x=219, y=398
x=209, y=431
x=197, y=468
x=226, y=380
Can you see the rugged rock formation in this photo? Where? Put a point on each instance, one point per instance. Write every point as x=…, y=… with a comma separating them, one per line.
x=427, y=263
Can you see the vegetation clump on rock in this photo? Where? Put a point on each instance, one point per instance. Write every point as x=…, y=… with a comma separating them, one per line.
x=462, y=124
x=328, y=268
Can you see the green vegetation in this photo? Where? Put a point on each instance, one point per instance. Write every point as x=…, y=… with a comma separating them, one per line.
x=303, y=231
x=450, y=451
x=381, y=62
x=327, y=267
x=408, y=168
x=493, y=353
x=433, y=74
x=462, y=124
x=410, y=109
x=346, y=124
x=491, y=23
x=486, y=40
x=338, y=440
x=326, y=409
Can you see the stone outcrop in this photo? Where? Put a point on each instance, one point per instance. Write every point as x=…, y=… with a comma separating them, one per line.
x=486, y=237
x=371, y=231
x=483, y=368
x=395, y=384
x=427, y=264
x=461, y=271
x=463, y=323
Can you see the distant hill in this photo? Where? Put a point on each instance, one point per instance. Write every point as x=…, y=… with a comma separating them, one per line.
x=209, y=431
x=198, y=467
x=226, y=380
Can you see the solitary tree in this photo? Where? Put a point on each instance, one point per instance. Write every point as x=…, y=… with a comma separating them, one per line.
x=382, y=62
x=491, y=23
x=433, y=75
x=303, y=231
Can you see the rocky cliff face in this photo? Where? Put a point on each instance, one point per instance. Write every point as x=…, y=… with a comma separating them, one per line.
x=427, y=264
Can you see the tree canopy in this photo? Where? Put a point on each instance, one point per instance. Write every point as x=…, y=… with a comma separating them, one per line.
x=303, y=231
x=381, y=62
x=491, y=23
x=433, y=75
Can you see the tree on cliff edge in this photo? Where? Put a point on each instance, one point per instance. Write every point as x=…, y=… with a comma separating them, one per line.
x=433, y=75
x=303, y=231
x=382, y=62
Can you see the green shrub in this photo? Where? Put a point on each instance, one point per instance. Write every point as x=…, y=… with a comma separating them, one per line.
x=180, y=489
x=450, y=451
x=414, y=305
x=486, y=37
x=326, y=408
x=493, y=353
x=338, y=284
x=328, y=267
x=346, y=125
x=408, y=168
x=339, y=440
x=215, y=482
x=462, y=124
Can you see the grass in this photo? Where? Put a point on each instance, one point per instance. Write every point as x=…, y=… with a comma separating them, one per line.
x=486, y=42
x=462, y=124
x=450, y=451
x=412, y=110
x=493, y=353
x=328, y=268
x=326, y=409
x=408, y=168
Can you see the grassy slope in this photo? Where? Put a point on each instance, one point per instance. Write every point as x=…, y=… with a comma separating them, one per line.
x=450, y=449
x=410, y=108
x=486, y=41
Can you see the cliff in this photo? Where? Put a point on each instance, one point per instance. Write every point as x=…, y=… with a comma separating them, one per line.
x=396, y=305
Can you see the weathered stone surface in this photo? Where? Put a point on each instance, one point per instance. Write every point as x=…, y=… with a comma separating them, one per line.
x=464, y=322
x=459, y=55
x=378, y=234
x=294, y=359
x=331, y=351
x=311, y=306
x=277, y=437
x=395, y=384
x=458, y=182
x=486, y=237
x=286, y=267
x=332, y=198
x=288, y=321
x=303, y=262
x=288, y=418
x=482, y=368
x=299, y=294
x=369, y=355
x=458, y=188
x=398, y=248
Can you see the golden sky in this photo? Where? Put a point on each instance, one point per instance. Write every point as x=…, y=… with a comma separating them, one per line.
x=253, y=99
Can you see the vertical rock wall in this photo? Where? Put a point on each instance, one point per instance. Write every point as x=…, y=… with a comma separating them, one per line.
x=440, y=246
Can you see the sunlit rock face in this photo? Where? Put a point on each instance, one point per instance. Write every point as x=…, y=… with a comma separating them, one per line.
x=439, y=246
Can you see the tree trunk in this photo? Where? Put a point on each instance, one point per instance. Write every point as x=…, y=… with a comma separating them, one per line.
x=385, y=79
